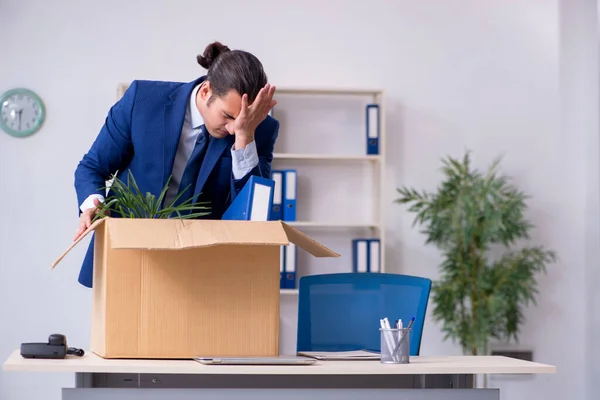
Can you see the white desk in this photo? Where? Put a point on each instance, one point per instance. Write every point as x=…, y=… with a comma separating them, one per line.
x=451, y=377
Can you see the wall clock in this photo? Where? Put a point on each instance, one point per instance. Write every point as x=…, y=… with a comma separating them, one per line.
x=22, y=112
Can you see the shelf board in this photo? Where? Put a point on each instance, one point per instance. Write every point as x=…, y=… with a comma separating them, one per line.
x=325, y=157
x=317, y=224
x=328, y=91
x=288, y=291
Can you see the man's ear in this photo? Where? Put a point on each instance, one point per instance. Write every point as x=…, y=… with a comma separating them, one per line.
x=205, y=90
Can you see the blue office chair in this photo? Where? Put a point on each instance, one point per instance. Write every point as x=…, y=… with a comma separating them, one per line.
x=341, y=312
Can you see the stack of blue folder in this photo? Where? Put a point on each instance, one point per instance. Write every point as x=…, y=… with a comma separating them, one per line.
x=283, y=208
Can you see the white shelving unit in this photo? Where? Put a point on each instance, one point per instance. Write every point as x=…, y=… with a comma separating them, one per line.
x=322, y=157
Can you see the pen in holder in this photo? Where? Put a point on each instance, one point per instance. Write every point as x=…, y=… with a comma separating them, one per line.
x=395, y=345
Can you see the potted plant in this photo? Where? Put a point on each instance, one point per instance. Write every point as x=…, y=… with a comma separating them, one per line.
x=129, y=202
x=477, y=220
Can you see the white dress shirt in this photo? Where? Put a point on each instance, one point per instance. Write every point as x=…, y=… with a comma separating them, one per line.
x=243, y=160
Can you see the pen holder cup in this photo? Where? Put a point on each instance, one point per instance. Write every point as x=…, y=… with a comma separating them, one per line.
x=395, y=346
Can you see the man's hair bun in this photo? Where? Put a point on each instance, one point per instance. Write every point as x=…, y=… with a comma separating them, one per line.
x=211, y=53
x=228, y=70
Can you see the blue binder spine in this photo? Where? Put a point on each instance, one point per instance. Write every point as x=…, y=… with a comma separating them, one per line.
x=290, y=192
x=277, y=207
x=374, y=251
x=282, y=276
x=372, y=129
x=291, y=258
x=253, y=203
x=360, y=256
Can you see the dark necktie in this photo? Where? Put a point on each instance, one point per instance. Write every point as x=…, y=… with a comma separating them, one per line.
x=190, y=174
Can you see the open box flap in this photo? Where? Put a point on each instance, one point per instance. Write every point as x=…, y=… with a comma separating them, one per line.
x=176, y=234
x=173, y=234
x=307, y=243
x=92, y=227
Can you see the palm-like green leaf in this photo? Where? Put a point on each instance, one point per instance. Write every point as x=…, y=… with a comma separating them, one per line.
x=128, y=201
x=468, y=215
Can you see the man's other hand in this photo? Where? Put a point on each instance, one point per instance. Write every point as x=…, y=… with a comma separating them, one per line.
x=85, y=220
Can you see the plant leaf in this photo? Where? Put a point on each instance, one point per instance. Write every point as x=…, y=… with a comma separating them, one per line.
x=128, y=201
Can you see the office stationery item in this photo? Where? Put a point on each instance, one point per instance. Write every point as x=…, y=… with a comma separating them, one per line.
x=253, y=202
x=277, y=206
x=408, y=327
x=395, y=345
x=401, y=338
x=354, y=355
x=387, y=337
x=290, y=187
x=398, y=325
x=373, y=130
x=149, y=271
x=277, y=360
x=291, y=259
x=360, y=255
x=374, y=254
x=56, y=347
x=327, y=300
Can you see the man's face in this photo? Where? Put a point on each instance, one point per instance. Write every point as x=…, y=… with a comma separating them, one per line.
x=219, y=116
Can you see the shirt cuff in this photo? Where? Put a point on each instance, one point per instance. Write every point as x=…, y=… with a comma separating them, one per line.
x=89, y=202
x=243, y=160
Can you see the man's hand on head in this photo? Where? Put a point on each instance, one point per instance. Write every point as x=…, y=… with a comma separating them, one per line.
x=252, y=115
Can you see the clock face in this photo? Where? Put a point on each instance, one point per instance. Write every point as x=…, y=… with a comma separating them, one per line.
x=21, y=112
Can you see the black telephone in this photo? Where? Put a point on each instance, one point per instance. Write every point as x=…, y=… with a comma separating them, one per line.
x=55, y=348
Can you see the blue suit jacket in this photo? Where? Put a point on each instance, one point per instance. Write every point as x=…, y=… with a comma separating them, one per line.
x=141, y=134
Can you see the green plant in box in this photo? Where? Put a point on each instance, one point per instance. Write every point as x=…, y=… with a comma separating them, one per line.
x=480, y=294
x=129, y=202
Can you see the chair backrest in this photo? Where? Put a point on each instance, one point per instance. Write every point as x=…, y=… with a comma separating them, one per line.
x=342, y=312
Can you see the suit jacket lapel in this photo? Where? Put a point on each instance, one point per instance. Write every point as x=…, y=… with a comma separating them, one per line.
x=174, y=116
x=216, y=147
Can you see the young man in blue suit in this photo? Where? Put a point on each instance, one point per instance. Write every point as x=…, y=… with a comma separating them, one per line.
x=209, y=135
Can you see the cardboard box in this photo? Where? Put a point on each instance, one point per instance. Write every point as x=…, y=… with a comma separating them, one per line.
x=173, y=288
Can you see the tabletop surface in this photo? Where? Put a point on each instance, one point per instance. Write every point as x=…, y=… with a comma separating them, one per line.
x=90, y=362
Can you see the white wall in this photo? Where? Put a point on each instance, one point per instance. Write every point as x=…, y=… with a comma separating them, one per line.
x=579, y=68
x=494, y=76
